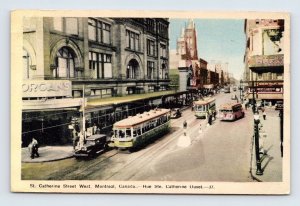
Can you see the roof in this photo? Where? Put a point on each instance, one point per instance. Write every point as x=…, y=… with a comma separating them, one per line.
x=229, y=105
x=205, y=101
x=139, y=118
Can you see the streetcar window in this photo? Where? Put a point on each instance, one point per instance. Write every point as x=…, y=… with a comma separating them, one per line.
x=134, y=133
x=128, y=132
x=121, y=134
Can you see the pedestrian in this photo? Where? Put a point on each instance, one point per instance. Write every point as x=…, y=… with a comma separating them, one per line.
x=264, y=115
x=184, y=124
x=33, y=148
x=95, y=128
x=75, y=138
x=215, y=114
x=209, y=119
x=184, y=127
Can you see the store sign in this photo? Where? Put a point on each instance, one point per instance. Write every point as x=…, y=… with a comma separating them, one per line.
x=47, y=88
x=266, y=90
x=266, y=60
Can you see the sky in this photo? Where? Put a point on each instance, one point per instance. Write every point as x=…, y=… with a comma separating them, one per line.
x=217, y=39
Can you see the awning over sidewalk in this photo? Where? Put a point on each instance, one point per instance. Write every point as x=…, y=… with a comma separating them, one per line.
x=128, y=98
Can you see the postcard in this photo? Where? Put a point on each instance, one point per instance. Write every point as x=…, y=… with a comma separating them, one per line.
x=152, y=102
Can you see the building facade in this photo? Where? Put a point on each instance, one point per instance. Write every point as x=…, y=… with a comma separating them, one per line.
x=68, y=58
x=264, y=59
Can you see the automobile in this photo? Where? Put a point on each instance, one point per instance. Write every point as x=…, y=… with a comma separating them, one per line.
x=175, y=113
x=93, y=145
x=279, y=105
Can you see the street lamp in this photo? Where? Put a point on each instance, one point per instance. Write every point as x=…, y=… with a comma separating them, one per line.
x=259, y=171
x=241, y=92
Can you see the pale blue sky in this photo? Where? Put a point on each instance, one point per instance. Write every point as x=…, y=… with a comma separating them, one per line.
x=219, y=40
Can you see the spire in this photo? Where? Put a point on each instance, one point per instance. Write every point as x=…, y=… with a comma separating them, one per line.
x=182, y=32
x=191, y=24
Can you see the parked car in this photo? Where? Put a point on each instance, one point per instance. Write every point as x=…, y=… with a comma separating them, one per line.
x=93, y=145
x=279, y=105
x=175, y=113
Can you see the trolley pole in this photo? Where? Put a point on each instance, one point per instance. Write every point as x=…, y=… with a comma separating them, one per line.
x=83, y=110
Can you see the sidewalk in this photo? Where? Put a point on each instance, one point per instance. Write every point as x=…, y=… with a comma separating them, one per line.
x=48, y=153
x=271, y=162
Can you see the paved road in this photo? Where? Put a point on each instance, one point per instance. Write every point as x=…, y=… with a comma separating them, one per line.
x=220, y=153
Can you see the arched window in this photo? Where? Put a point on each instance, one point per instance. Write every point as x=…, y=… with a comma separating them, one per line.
x=26, y=65
x=65, y=61
x=132, y=69
x=163, y=71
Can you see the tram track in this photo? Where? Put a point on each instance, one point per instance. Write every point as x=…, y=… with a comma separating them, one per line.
x=137, y=162
x=141, y=160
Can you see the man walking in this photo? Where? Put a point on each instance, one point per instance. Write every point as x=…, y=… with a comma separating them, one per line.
x=264, y=114
x=184, y=127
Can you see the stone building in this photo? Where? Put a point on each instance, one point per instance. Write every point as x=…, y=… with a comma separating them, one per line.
x=68, y=58
x=264, y=59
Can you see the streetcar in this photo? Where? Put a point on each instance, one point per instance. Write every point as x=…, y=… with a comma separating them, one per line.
x=204, y=106
x=134, y=132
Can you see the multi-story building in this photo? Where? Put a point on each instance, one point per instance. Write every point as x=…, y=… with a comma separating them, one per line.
x=67, y=58
x=264, y=59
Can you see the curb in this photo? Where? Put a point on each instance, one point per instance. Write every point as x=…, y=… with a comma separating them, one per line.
x=50, y=160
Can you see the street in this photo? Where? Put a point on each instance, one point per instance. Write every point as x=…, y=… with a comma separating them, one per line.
x=220, y=152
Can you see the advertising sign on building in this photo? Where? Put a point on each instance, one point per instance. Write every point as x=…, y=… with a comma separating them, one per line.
x=46, y=88
x=266, y=60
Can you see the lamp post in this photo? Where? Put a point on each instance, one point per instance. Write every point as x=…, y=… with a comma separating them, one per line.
x=259, y=171
x=281, y=131
x=241, y=92
x=253, y=97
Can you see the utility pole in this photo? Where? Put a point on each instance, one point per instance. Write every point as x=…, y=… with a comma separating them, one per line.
x=83, y=110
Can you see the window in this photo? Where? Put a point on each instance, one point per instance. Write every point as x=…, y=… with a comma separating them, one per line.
x=92, y=29
x=163, y=51
x=100, y=65
x=65, y=61
x=150, y=47
x=132, y=40
x=150, y=88
x=150, y=25
x=99, y=31
x=163, y=30
x=150, y=70
x=163, y=72
x=77, y=93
